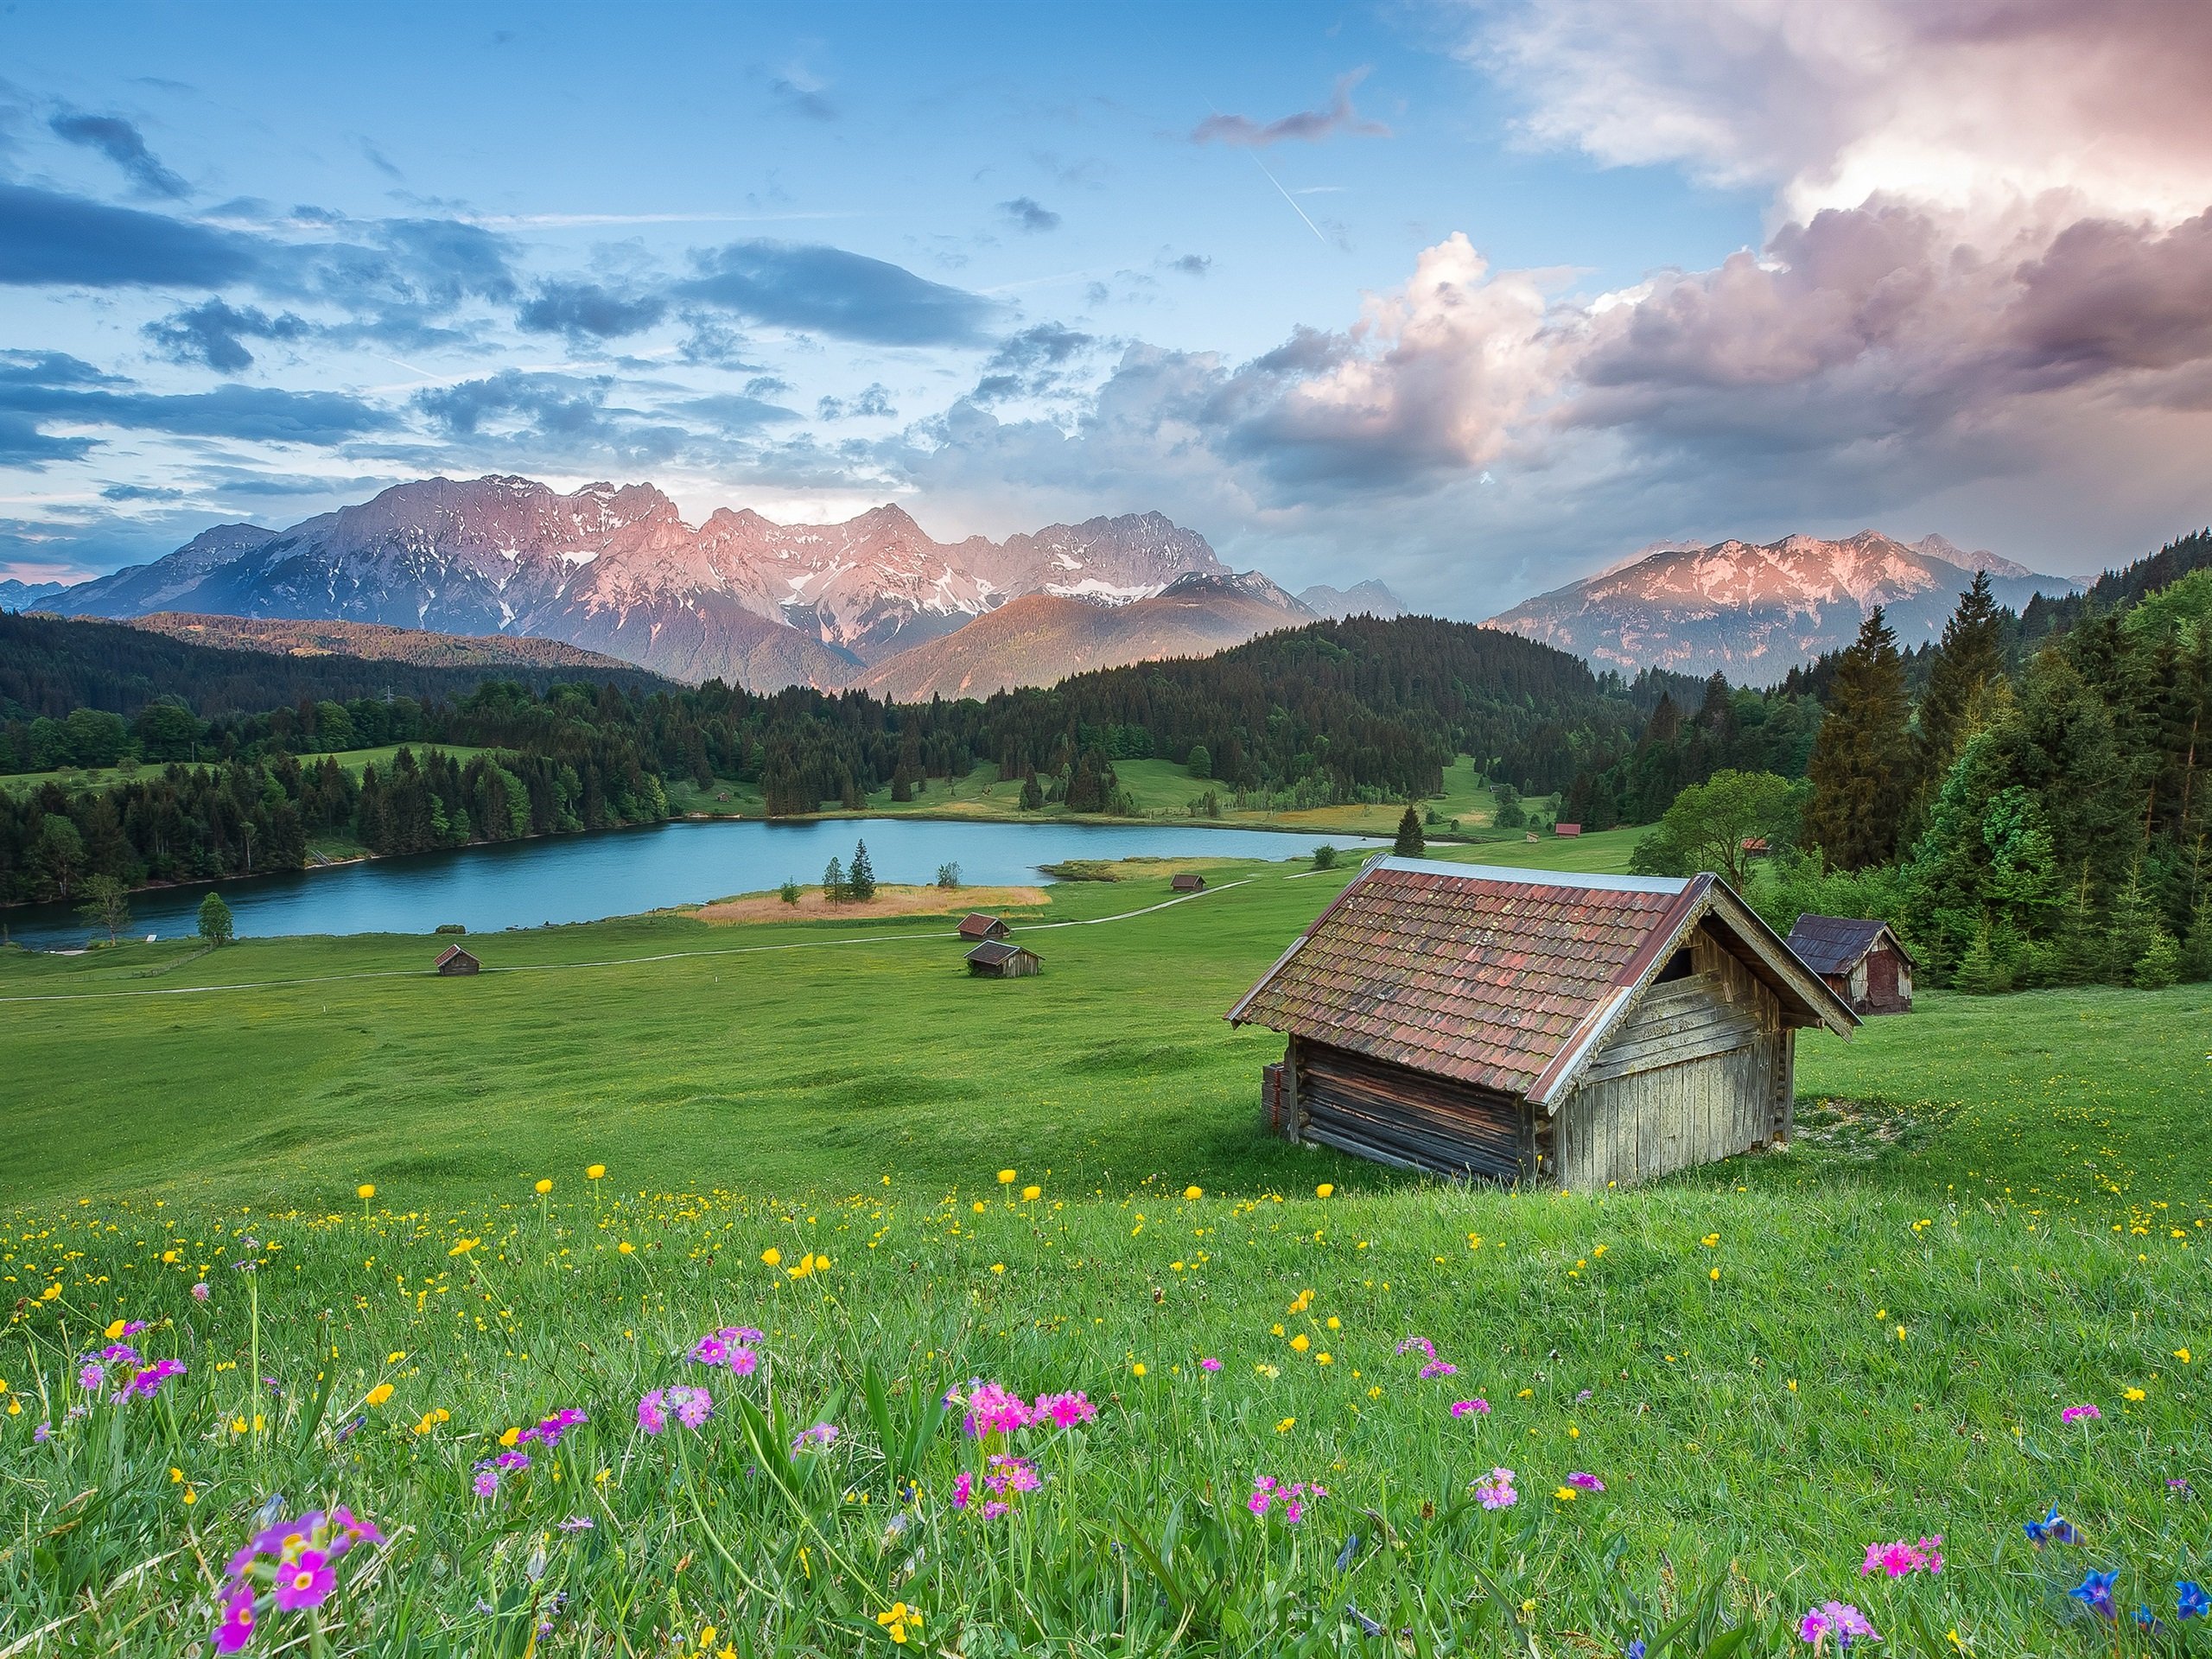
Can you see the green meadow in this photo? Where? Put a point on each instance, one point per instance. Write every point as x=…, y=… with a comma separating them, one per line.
x=1996, y=1210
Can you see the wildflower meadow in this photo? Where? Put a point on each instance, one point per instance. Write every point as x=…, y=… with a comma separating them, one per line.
x=356, y=1336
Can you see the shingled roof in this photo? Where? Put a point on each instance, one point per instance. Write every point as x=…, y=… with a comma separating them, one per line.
x=1834, y=945
x=1505, y=979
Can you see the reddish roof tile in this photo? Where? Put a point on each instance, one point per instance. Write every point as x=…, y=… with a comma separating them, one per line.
x=1482, y=976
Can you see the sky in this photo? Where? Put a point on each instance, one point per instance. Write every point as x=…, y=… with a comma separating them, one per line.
x=1474, y=297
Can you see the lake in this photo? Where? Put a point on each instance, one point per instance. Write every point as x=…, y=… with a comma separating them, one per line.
x=622, y=872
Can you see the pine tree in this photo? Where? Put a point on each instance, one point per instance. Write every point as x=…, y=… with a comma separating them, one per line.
x=2129, y=928
x=2196, y=944
x=833, y=882
x=860, y=879
x=2160, y=963
x=1862, y=763
x=1977, y=974
x=1033, y=795
x=1409, y=843
x=1970, y=657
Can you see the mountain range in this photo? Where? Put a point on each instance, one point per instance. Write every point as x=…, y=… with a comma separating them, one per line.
x=1755, y=612
x=616, y=570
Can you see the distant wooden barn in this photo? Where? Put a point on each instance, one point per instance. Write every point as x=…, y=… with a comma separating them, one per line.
x=1189, y=883
x=1863, y=961
x=996, y=959
x=1517, y=1025
x=1569, y=830
x=980, y=926
x=454, y=960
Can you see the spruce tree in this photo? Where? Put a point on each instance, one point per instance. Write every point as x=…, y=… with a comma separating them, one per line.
x=1862, y=762
x=1971, y=656
x=2196, y=943
x=860, y=879
x=833, y=882
x=1978, y=973
x=1410, y=843
x=2130, y=928
x=2160, y=963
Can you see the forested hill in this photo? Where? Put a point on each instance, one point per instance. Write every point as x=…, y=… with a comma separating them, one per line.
x=50, y=666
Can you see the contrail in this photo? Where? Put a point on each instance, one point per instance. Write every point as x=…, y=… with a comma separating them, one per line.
x=1286, y=195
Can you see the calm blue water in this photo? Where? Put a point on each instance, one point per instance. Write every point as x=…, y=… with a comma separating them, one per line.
x=622, y=872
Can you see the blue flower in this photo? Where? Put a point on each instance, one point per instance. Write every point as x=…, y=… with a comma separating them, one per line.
x=2094, y=1592
x=2191, y=1601
x=2053, y=1528
x=1635, y=1649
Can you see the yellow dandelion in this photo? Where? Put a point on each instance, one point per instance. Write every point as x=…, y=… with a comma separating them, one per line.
x=1324, y=1190
x=544, y=1187
x=365, y=1191
x=1031, y=1193
x=1285, y=1426
x=1194, y=1194
x=379, y=1394
x=1006, y=1178
x=772, y=1256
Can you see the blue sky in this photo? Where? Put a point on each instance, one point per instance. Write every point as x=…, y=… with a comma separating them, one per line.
x=1477, y=298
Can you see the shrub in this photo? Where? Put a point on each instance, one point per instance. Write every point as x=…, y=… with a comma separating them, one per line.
x=1324, y=857
x=789, y=891
x=947, y=876
x=215, y=919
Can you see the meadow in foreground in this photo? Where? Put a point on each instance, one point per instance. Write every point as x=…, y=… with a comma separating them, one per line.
x=1792, y=1380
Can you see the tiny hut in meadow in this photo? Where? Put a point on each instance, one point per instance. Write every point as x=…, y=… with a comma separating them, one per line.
x=1189, y=881
x=1862, y=961
x=454, y=960
x=978, y=926
x=1522, y=1025
x=996, y=959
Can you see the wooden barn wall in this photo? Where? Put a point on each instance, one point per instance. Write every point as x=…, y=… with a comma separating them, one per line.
x=1700, y=1071
x=1396, y=1116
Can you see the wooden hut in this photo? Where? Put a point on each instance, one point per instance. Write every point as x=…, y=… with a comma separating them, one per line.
x=996, y=959
x=1863, y=961
x=1568, y=831
x=1189, y=881
x=978, y=926
x=454, y=960
x=1517, y=1025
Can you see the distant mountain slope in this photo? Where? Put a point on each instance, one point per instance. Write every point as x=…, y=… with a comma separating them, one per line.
x=374, y=642
x=49, y=666
x=1754, y=613
x=617, y=569
x=1042, y=639
x=1369, y=599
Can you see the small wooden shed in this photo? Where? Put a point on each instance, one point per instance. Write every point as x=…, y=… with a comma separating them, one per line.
x=1569, y=830
x=977, y=925
x=454, y=960
x=1189, y=881
x=1862, y=960
x=996, y=959
x=1578, y=1030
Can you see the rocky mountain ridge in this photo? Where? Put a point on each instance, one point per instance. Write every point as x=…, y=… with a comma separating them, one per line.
x=1753, y=612
x=617, y=570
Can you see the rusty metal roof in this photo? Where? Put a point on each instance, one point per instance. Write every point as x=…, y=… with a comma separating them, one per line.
x=1834, y=945
x=1505, y=979
x=976, y=925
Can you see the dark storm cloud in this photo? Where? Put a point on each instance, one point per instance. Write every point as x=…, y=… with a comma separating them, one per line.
x=1030, y=216
x=214, y=333
x=828, y=290
x=121, y=143
x=49, y=238
x=588, y=311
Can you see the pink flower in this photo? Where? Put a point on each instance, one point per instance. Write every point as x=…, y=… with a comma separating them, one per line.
x=92, y=1376
x=1438, y=1367
x=199, y=1293
x=1901, y=1560
x=651, y=1417
x=1262, y=1494
x=552, y=1428
x=963, y=1489
x=819, y=1436
x=1585, y=1483
x=2076, y=1413
x=1426, y=1347
x=148, y=1382
x=306, y=1582
x=1477, y=1406
x=743, y=1362
x=1209, y=1364
x=1008, y=1475
x=1497, y=1492
x=1838, y=1619
x=237, y=1628
x=993, y=1410
x=487, y=1482
x=993, y=1510
x=1066, y=1410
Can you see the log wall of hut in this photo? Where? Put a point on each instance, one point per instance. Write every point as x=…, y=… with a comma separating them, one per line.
x=1701, y=1068
x=1414, y=1120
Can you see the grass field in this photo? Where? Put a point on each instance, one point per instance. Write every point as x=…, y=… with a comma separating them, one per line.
x=1997, y=1209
